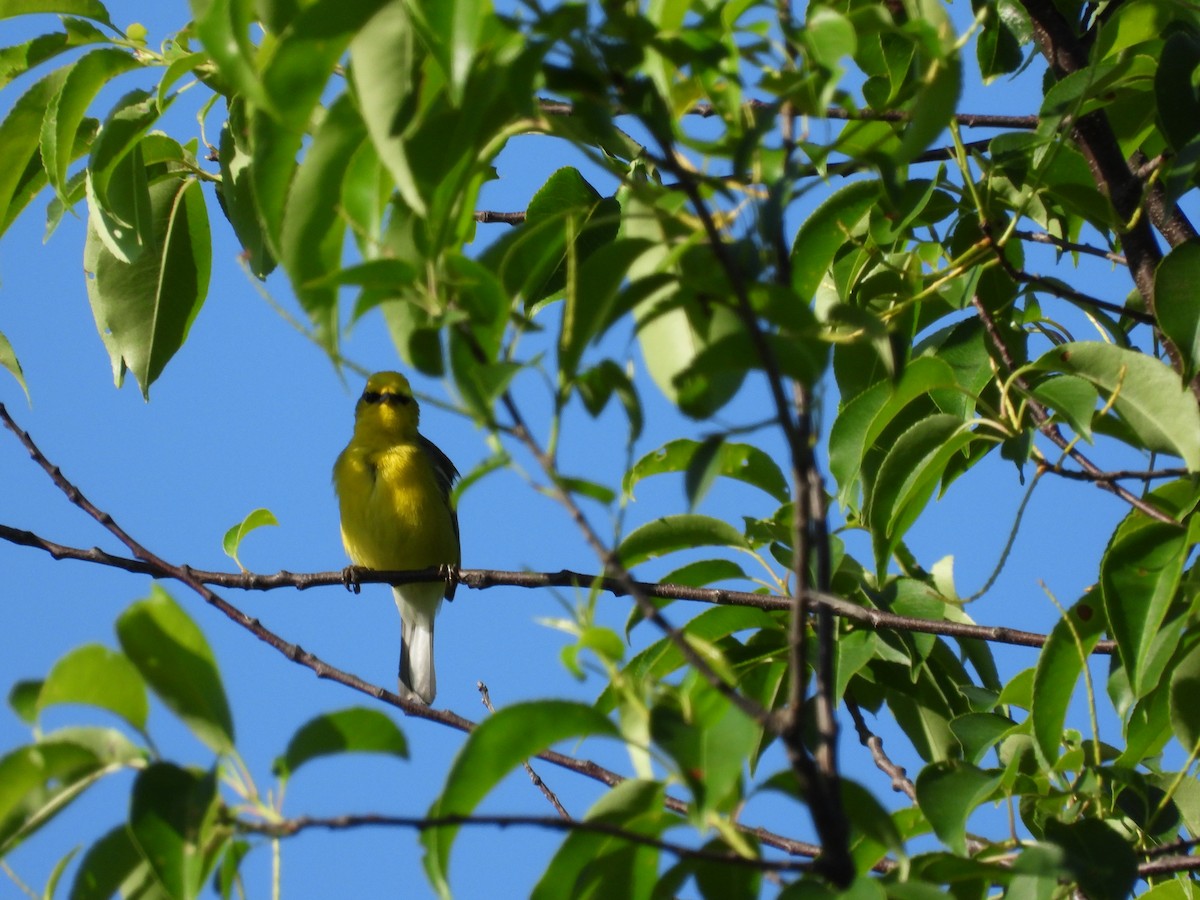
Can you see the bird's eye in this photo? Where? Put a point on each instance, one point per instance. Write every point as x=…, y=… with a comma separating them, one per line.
x=371, y=396
x=397, y=399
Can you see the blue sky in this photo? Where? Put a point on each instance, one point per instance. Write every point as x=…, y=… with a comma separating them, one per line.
x=250, y=414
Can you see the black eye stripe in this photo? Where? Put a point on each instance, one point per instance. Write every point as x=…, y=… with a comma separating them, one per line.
x=387, y=398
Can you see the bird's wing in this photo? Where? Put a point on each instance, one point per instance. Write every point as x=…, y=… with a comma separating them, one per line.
x=446, y=474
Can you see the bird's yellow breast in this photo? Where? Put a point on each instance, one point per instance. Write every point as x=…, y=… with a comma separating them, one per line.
x=393, y=513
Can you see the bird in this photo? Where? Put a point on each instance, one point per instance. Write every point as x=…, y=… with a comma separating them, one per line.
x=394, y=494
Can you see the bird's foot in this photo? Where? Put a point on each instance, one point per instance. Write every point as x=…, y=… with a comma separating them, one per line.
x=350, y=576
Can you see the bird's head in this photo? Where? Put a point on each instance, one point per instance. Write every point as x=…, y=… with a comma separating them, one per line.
x=387, y=407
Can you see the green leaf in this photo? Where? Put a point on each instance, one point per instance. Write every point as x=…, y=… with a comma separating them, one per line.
x=497, y=746
x=108, y=863
x=314, y=229
x=679, y=532
x=1101, y=860
x=1139, y=575
x=385, y=71
x=452, y=32
x=88, y=9
x=1059, y=667
x=353, y=730
x=66, y=110
x=597, y=385
x=909, y=475
x=97, y=676
x=23, y=699
x=8, y=359
x=1174, y=307
x=234, y=536
x=709, y=740
x=948, y=792
x=223, y=26
x=144, y=310
x=705, y=572
x=171, y=653
x=864, y=418
x=1073, y=399
x=826, y=231
x=601, y=865
x=1149, y=397
x=19, y=135
x=39, y=780
x=1176, y=91
x=594, y=301
x=18, y=59
x=1185, y=712
x=236, y=192
x=935, y=105
x=167, y=821
x=119, y=203
x=742, y=462
x=978, y=732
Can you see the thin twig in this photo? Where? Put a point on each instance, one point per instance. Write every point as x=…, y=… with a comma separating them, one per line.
x=706, y=110
x=901, y=783
x=290, y=827
x=1047, y=427
x=486, y=699
x=1041, y=237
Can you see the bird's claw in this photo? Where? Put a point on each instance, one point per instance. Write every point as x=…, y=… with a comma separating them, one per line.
x=350, y=579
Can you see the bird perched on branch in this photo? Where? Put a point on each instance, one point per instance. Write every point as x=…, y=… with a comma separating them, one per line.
x=393, y=486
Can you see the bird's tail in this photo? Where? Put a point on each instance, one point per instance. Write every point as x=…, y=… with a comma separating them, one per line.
x=416, y=642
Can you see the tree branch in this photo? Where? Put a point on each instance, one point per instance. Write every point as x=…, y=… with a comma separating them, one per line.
x=291, y=827
x=1047, y=427
x=482, y=579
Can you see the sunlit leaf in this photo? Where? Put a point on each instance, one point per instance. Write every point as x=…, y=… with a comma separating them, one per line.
x=678, y=532
x=354, y=730
x=167, y=814
x=742, y=462
x=144, y=310
x=1149, y=396
x=94, y=675
x=257, y=518
x=176, y=661
x=493, y=749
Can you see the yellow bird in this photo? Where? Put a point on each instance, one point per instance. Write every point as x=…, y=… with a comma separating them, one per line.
x=393, y=487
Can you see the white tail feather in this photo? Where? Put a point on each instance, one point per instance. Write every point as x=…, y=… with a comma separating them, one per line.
x=418, y=605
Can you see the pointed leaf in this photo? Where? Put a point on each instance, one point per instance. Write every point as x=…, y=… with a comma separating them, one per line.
x=8, y=359
x=825, y=231
x=354, y=730
x=166, y=821
x=498, y=745
x=1150, y=398
x=594, y=864
x=679, y=532
x=948, y=793
x=95, y=675
x=739, y=461
x=88, y=9
x=1174, y=296
x=1185, y=711
x=173, y=656
x=233, y=537
x=108, y=863
x=145, y=310
x=1059, y=667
